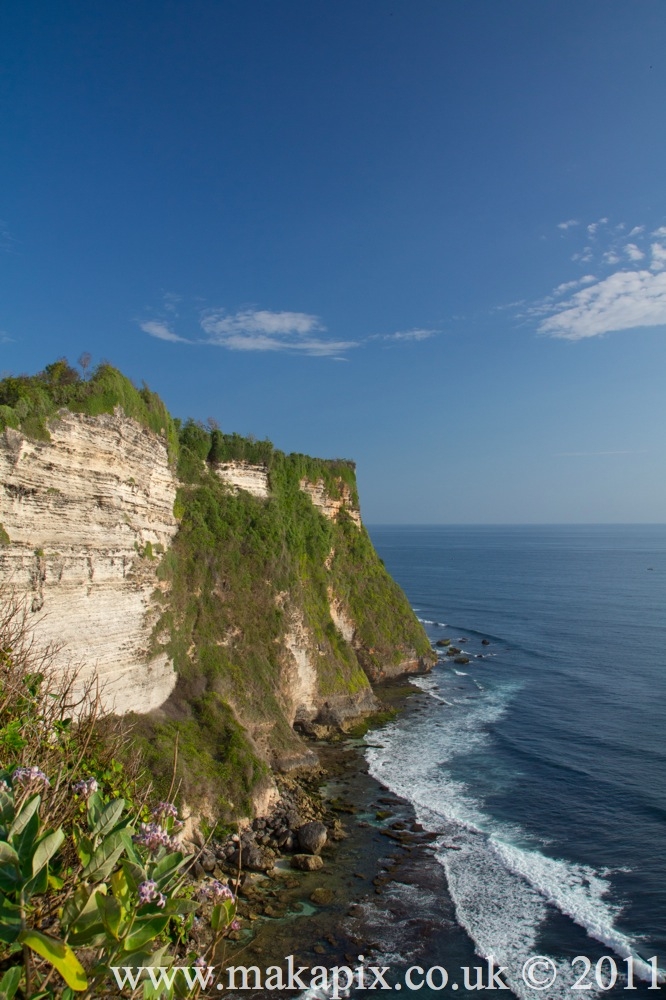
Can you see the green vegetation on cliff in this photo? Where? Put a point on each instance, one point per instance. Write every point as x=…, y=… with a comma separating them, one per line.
x=245, y=580
x=28, y=402
x=241, y=573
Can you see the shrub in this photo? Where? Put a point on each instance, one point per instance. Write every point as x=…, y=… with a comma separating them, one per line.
x=89, y=878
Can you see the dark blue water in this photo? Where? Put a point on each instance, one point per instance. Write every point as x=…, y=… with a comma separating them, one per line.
x=543, y=758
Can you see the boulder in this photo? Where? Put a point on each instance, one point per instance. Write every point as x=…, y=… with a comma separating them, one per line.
x=307, y=862
x=443, y=642
x=485, y=642
x=312, y=837
x=322, y=897
x=461, y=659
x=252, y=858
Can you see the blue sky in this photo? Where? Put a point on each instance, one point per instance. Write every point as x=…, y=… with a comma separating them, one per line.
x=428, y=235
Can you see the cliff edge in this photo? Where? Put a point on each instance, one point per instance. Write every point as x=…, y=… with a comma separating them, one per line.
x=225, y=593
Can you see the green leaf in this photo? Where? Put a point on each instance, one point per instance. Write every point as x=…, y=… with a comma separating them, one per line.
x=24, y=816
x=135, y=874
x=10, y=874
x=6, y=809
x=46, y=848
x=95, y=806
x=145, y=929
x=105, y=857
x=166, y=868
x=37, y=885
x=24, y=843
x=10, y=921
x=91, y=935
x=120, y=887
x=113, y=915
x=81, y=904
x=130, y=846
x=9, y=982
x=222, y=915
x=60, y=955
x=109, y=818
x=8, y=855
x=84, y=849
x=174, y=906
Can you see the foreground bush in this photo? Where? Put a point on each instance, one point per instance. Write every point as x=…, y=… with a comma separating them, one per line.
x=89, y=878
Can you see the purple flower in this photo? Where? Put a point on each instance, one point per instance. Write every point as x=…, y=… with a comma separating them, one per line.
x=86, y=788
x=216, y=891
x=200, y=963
x=153, y=836
x=148, y=894
x=220, y=890
x=165, y=810
x=235, y=925
x=26, y=775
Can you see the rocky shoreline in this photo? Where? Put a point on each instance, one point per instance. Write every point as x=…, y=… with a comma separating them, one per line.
x=312, y=896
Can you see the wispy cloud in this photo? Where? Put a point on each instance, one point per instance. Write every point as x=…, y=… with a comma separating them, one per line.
x=594, y=226
x=264, y=330
x=622, y=301
x=630, y=291
x=568, y=224
x=416, y=334
x=171, y=300
x=160, y=330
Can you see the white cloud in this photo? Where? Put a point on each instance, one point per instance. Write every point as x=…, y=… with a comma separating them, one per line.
x=259, y=321
x=658, y=257
x=633, y=252
x=160, y=330
x=417, y=334
x=593, y=226
x=622, y=301
x=263, y=330
x=610, y=257
x=171, y=301
x=660, y=232
x=568, y=224
x=567, y=286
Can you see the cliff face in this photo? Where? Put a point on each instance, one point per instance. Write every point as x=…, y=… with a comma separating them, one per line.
x=226, y=592
x=79, y=512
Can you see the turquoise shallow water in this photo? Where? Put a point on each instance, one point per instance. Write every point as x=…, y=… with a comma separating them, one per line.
x=544, y=760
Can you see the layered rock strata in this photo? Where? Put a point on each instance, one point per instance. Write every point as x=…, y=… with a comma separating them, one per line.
x=87, y=515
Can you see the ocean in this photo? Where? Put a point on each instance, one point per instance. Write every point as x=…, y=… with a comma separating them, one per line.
x=540, y=763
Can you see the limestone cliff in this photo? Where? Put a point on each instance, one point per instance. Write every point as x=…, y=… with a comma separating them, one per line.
x=225, y=591
x=81, y=511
